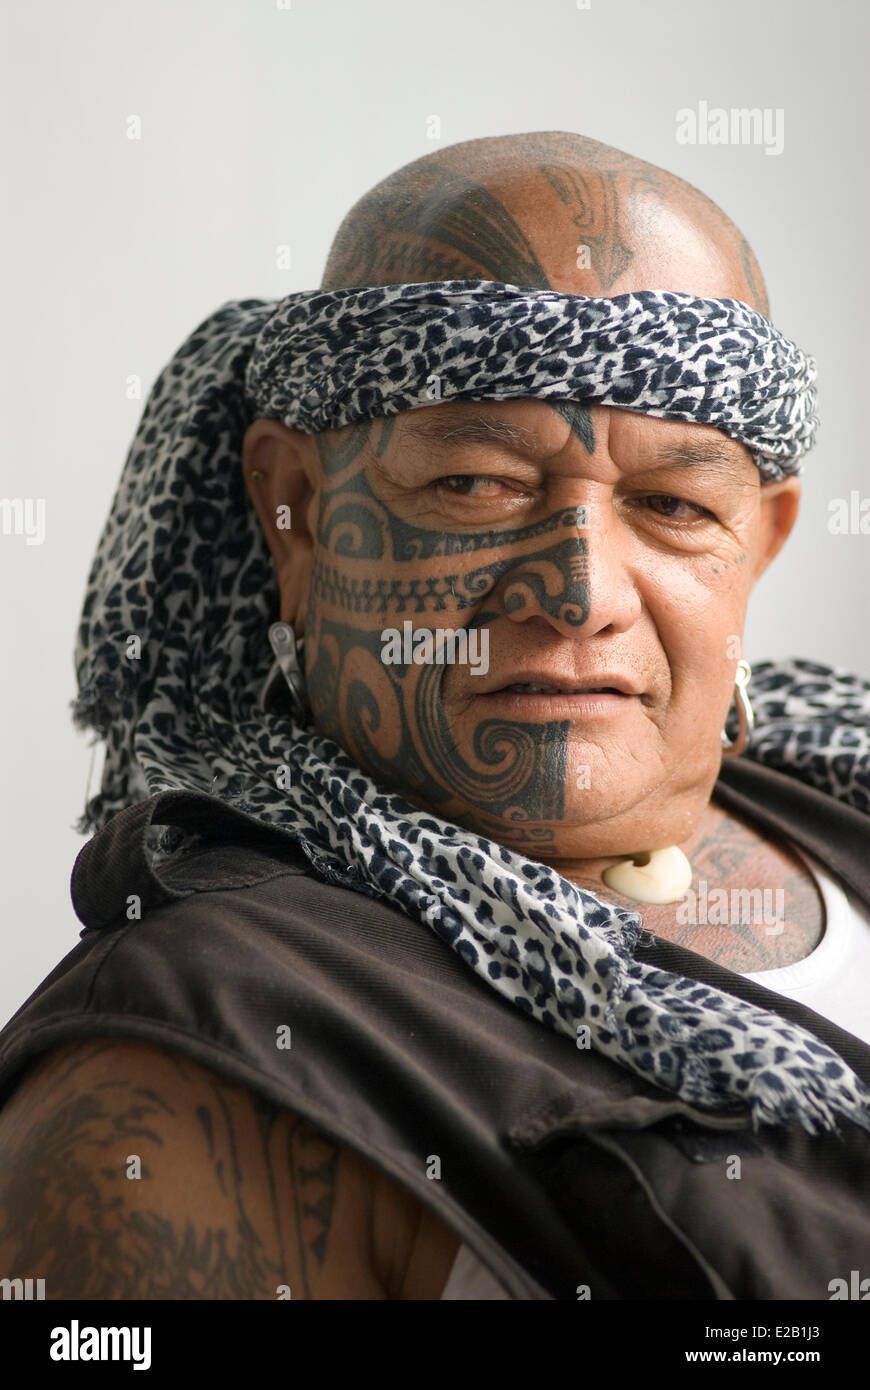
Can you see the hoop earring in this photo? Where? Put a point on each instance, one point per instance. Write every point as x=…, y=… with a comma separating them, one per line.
x=287, y=668
x=745, y=716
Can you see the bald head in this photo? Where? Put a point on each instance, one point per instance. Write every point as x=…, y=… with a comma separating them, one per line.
x=543, y=210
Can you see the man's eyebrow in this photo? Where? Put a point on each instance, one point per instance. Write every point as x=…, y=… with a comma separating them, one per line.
x=446, y=434
x=727, y=457
x=477, y=429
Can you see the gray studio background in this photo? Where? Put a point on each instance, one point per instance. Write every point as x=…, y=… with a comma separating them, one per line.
x=261, y=125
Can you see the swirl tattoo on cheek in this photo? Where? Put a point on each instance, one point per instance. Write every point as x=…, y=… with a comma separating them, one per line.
x=393, y=720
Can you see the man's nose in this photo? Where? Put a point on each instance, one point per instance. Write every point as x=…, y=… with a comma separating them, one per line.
x=581, y=582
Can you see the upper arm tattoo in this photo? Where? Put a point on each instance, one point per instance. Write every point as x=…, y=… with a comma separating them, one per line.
x=235, y=1198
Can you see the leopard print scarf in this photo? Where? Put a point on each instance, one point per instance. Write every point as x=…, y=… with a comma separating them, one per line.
x=183, y=565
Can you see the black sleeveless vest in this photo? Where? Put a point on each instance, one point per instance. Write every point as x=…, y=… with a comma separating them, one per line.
x=566, y=1174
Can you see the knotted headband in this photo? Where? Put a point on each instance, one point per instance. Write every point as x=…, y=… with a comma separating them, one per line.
x=183, y=566
x=330, y=357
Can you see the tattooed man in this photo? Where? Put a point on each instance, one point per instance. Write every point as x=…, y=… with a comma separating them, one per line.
x=461, y=978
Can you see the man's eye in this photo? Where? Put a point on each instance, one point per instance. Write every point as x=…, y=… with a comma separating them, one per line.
x=482, y=484
x=669, y=506
x=464, y=482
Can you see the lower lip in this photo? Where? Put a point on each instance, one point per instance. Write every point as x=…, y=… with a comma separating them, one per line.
x=559, y=706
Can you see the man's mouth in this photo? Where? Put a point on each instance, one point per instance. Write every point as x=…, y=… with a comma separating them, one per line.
x=563, y=689
x=546, y=696
x=547, y=683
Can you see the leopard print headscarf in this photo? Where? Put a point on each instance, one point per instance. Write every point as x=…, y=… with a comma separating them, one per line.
x=332, y=356
x=183, y=566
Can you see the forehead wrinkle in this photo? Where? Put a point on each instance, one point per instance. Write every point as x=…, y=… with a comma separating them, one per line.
x=453, y=430
x=478, y=428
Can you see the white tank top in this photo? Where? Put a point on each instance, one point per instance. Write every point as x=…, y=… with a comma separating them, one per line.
x=833, y=980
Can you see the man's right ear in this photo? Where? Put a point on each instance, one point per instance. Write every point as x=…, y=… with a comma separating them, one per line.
x=282, y=469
